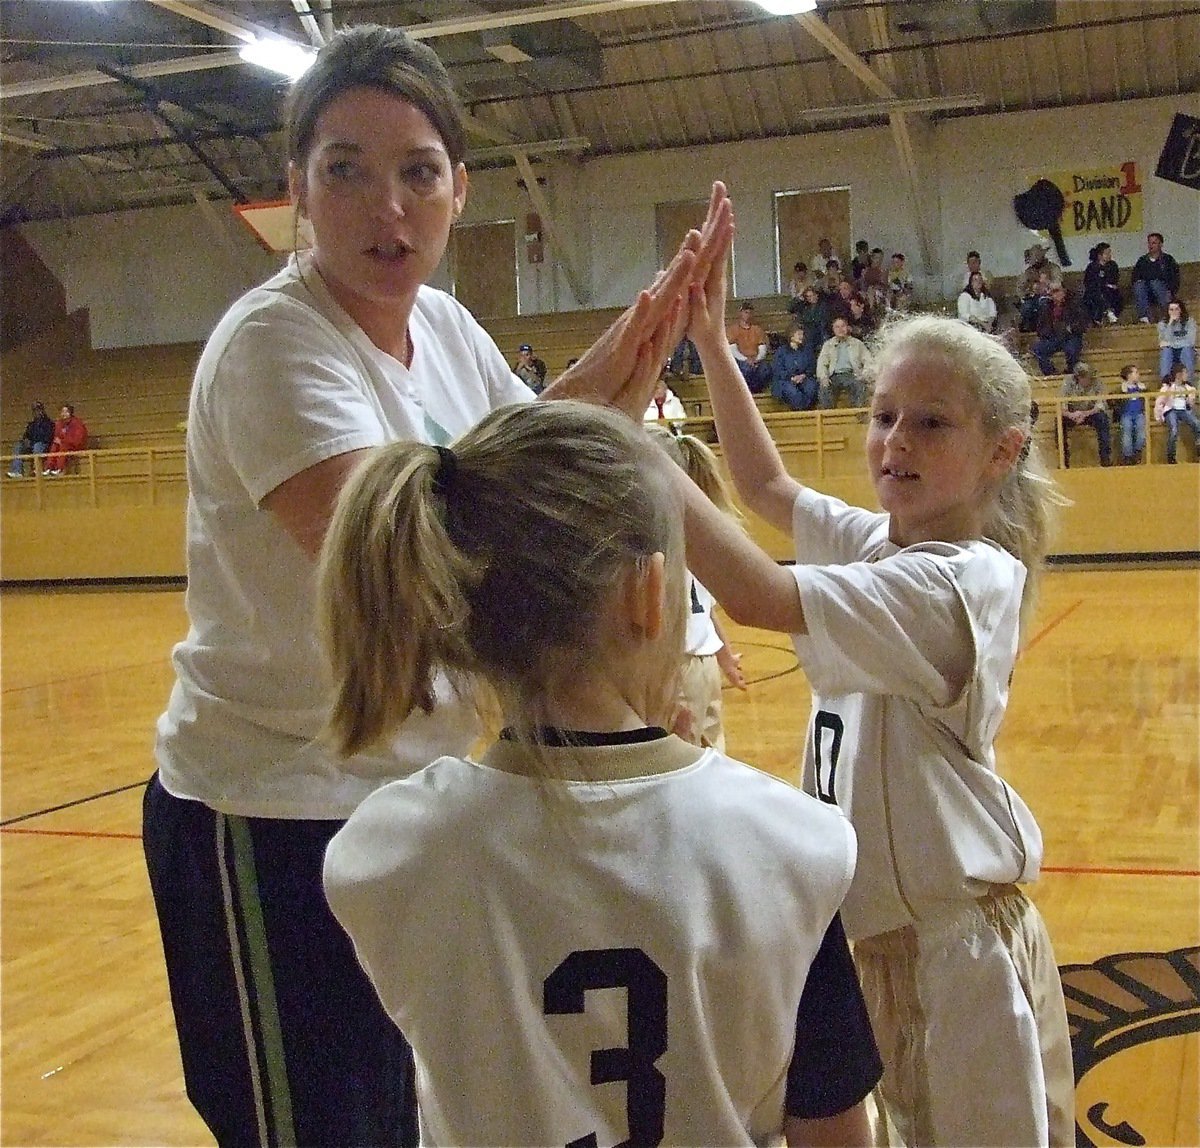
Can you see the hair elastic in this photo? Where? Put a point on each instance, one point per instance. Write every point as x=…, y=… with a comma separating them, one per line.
x=447, y=468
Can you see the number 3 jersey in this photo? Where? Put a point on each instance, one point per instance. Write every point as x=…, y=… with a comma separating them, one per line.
x=595, y=962
x=909, y=652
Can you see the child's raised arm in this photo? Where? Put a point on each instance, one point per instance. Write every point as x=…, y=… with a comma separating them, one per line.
x=751, y=586
x=754, y=463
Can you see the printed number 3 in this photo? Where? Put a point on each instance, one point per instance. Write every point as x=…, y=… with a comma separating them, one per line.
x=827, y=723
x=646, y=990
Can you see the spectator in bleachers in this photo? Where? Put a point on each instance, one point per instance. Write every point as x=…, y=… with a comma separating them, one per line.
x=818, y=263
x=39, y=434
x=812, y=313
x=842, y=366
x=1176, y=338
x=862, y=319
x=794, y=372
x=1060, y=327
x=976, y=305
x=1155, y=277
x=530, y=370
x=874, y=282
x=684, y=361
x=838, y=304
x=1041, y=274
x=749, y=342
x=1085, y=410
x=1132, y=416
x=70, y=435
x=799, y=280
x=666, y=405
x=861, y=261
x=1175, y=406
x=899, y=284
x=972, y=265
x=1102, y=298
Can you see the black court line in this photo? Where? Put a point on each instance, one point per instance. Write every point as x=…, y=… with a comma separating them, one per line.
x=83, y=677
x=71, y=804
x=793, y=668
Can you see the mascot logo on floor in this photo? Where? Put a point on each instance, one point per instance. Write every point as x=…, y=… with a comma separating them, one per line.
x=1135, y=1034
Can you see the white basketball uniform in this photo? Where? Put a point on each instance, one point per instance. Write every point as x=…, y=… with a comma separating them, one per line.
x=621, y=958
x=910, y=653
x=700, y=678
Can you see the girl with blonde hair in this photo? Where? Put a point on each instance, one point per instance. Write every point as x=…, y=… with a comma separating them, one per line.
x=708, y=656
x=588, y=848
x=907, y=623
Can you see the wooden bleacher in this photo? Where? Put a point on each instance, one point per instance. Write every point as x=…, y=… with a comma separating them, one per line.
x=135, y=399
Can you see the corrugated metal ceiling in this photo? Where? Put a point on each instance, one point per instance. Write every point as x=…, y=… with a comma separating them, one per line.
x=129, y=103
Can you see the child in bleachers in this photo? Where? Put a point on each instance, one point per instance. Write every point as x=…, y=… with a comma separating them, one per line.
x=1174, y=406
x=1133, y=416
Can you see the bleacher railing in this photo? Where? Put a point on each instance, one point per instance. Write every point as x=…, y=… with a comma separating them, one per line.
x=149, y=476
x=144, y=474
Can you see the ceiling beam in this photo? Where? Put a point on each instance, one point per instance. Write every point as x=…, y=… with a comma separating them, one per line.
x=94, y=77
x=572, y=146
x=511, y=18
x=247, y=30
x=918, y=105
x=22, y=139
x=897, y=121
x=308, y=22
x=219, y=18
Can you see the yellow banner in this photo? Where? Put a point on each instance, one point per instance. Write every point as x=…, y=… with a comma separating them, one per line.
x=1100, y=199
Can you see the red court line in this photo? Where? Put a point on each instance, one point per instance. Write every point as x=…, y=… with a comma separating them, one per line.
x=73, y=833
x=1083, y=870
x=1100, y=870
x=1051, y=624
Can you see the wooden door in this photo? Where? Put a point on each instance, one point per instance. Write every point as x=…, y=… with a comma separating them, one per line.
x=483, y=267
x=802, y=218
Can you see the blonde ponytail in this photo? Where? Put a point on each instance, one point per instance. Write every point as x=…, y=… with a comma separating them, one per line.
x=391, y=598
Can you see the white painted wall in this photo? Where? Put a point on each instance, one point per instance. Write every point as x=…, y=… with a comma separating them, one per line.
x=166, y=275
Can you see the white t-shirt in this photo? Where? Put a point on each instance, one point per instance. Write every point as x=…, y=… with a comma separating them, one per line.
x=514, y=928
x=673, y=409
x=909, y=653
x=981, y=310
x=287, y=380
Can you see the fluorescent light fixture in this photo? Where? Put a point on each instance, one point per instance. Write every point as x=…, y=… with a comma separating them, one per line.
x=284, y=56
x=787, y=7
x=509, y=53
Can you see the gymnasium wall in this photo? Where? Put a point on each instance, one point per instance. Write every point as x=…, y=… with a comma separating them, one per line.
x=165, y=275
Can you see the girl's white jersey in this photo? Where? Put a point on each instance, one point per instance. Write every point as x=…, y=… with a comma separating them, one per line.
x=702, y=639
x=620, y=958
x=910, y=652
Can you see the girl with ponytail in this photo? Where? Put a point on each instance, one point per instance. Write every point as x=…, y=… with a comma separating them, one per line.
x=588, y=848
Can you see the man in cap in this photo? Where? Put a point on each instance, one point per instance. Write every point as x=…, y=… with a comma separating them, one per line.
x=531, y=371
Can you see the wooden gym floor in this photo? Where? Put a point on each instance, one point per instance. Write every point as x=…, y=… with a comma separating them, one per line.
x=1101, y=739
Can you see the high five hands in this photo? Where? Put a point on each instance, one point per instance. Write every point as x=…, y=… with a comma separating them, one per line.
x=621, y=367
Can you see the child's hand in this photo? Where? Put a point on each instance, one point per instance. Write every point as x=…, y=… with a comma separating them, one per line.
x=684, y=725
x=706, y=297
x=731, y=667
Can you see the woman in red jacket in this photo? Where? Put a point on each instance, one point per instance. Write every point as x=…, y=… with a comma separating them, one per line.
x=70, y=434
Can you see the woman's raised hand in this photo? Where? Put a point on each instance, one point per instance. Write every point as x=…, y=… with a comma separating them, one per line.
x=621, y=367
